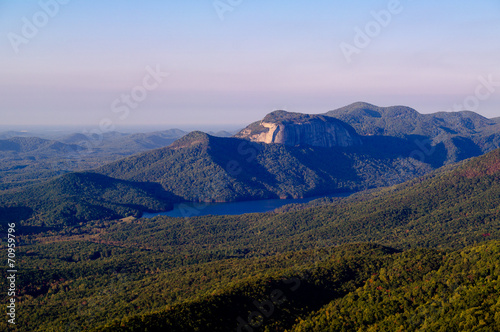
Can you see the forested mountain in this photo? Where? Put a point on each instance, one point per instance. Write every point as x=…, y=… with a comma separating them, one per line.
x=201, y=167
x=436, y=139
x=462, y=134
x=420, y=255
x=399, y=121
x=78, y=197
x=417, y=289
x=433, y=211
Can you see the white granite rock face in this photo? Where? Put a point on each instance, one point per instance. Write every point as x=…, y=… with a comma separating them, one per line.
x=302, y=129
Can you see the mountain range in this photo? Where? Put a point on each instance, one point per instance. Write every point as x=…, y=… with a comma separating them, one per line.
x=461, y=134
x=285, y=155
x=422, y=255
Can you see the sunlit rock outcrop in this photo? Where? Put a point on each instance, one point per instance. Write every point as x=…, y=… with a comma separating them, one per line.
x=301, y=129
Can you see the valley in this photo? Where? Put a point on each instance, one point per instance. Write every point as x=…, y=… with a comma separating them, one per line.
x=409, y=242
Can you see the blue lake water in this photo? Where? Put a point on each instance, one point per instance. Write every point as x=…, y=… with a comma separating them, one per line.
x=219, y=209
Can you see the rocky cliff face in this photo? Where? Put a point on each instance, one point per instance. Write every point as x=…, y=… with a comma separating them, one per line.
x=301, y=129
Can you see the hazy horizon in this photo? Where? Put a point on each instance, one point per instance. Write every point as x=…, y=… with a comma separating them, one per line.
x=222, y=64
x=144, y=128
x=64, y=129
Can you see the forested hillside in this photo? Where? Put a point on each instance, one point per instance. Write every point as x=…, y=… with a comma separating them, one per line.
x=421, y=291
x=206, y=168
x=413, y=290
x=460, y=135
x=79, y=197
x=431, y=243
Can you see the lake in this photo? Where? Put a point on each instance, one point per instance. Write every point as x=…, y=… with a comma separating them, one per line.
x=235, y=208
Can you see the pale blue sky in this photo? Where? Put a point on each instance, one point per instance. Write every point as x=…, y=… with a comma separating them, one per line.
x=263, y=55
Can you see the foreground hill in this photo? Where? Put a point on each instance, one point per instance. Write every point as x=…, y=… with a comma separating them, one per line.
x=420, y=290
x=370, y=289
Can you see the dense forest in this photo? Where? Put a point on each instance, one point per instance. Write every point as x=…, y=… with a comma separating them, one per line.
x=395, y=256
x=78, y=197
x=366, y=288
x=465, y=134
x=423, y=255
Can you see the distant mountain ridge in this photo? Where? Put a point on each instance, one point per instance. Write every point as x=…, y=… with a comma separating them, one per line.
x=462, y=134
x=369, y=119
x=35, y=144
x=27, y=160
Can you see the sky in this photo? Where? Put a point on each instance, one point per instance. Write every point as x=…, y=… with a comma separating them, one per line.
x=112, y=64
